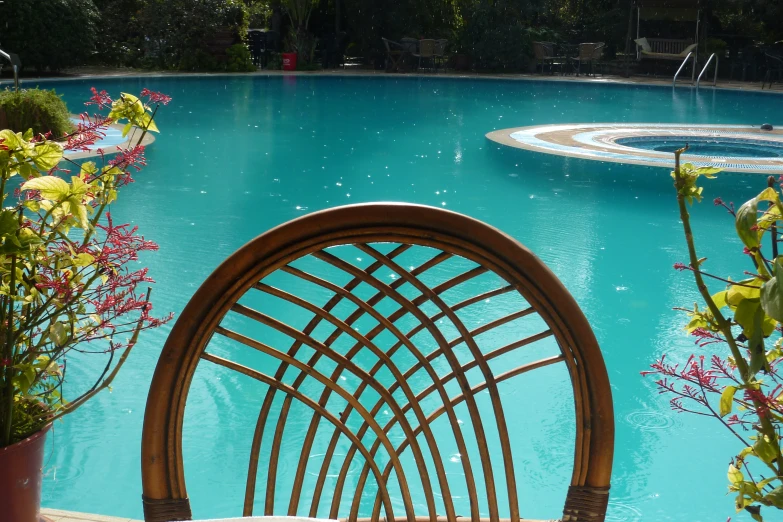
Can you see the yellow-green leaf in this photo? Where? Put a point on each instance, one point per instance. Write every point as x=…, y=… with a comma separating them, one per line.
x=47, y=155
x=765, y=450
x=727, y=400
x=735, y=475
x=51, y=187
x=746, y=289
x=720, y=299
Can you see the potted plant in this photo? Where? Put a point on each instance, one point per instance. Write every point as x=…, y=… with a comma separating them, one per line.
x=736, y=379
x=66, y=280
x=300, y=42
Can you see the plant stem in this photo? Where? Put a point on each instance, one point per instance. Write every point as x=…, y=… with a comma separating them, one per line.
x=721, y=322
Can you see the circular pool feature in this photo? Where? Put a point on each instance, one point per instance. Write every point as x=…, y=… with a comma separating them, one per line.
x=710, y=146
x=736, y=148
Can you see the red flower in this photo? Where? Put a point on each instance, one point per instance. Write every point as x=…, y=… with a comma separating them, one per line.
x=101, y=99
x=155, y=97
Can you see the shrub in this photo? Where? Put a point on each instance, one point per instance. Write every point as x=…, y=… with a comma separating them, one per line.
x=494, y=36
x=177, y=29
x=239, y=59
x=49, y=34
x=37, y=109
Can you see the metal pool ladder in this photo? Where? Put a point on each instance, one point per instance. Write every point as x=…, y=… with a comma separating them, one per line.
x=715, y=76
x=15, y=63
x=682, y=65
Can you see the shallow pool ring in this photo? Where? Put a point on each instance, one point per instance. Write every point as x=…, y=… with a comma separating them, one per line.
x=737, y=148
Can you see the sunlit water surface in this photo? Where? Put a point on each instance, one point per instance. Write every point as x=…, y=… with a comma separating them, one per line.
x=238, y=155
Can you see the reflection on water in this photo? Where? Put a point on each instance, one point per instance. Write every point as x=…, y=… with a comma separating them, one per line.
x=239, y=155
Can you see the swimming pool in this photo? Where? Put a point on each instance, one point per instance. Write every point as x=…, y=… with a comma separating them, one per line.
x=238, y=155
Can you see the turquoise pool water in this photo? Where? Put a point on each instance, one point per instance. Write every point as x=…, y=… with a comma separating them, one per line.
x=707, y=146
x=238, y=155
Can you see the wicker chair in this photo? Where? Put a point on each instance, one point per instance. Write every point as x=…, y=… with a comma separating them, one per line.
x=589, y=53
x=426, y=279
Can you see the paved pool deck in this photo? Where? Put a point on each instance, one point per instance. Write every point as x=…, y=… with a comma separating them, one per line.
x=82, y=73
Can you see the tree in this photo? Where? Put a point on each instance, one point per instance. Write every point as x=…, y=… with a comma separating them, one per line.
x=49, y=34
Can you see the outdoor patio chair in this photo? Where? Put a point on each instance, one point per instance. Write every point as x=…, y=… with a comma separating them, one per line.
x=774, y=69
x=544, y=53
x=394, y=54
x=427, y=51
x=410, y=45
x=440, y=52
x=373, y=322
x=589, y=53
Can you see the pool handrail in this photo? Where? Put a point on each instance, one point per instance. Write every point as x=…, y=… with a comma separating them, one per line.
x=674, y=81
x=14, y=64
x=715, y=76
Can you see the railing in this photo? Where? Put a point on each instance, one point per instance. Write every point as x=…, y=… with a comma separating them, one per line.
x=715, y=77
x=14, y=65
x=682, y=65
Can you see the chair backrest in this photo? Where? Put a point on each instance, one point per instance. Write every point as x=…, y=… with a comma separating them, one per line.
x=543, y=50
x=668, y=45
x=591, y=51
x=440, y=47
x=377, y=320
x=409, y=45
x=427, y=48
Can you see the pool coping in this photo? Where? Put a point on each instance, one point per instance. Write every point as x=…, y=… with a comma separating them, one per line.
x=730, y=86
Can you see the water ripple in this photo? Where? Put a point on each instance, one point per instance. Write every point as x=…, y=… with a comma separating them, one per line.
x=648, y=420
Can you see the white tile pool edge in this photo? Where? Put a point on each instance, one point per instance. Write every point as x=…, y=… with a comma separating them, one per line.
x=57, y=515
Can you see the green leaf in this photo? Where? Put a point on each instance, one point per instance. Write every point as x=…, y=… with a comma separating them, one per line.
x=26, y=170
x=720, y=299
x=51, y=187
x=746, y=220
x=727, y=400
x=745, y=315
x=765, y=450
x=47, y=155
x=768, y=194
x=755, y=513
x=772, y=293
x=27, y=135
x=10, y=139
x=78, y=186
x=774, y=497
x=58, y=333
x=9, y=222
x=127, y=129
x=83, y=259
x=746, y=289
x=735, y=475
x=80, y=211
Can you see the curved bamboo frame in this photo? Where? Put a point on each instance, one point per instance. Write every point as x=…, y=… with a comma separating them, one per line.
x=165, y=496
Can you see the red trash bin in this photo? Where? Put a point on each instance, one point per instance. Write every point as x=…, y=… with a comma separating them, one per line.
x=289, y=61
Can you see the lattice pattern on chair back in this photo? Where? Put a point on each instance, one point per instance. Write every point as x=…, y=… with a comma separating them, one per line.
x=379, y=320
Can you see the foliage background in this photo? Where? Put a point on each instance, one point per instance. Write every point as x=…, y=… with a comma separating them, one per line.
x=186, y=34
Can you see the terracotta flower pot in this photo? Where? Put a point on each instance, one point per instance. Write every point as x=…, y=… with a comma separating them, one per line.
x=21, y=475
